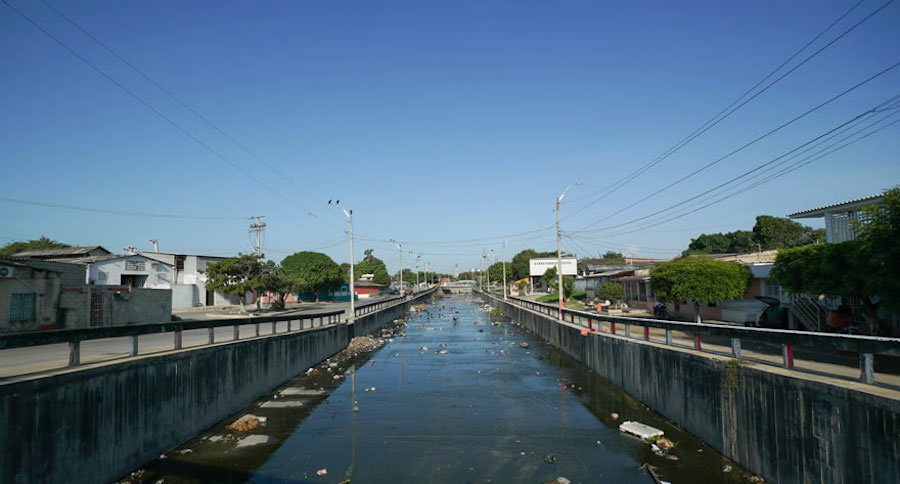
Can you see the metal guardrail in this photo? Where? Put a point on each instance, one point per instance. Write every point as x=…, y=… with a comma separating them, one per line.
x=865, y=346
x=295, y=322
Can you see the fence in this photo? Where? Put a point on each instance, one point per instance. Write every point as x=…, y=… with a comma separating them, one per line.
x=865, y=346
x=295, y=322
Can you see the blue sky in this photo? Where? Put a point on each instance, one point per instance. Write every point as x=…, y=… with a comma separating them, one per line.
x=448, y=126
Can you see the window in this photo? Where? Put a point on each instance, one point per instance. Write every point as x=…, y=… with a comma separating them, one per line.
x=21, y=307
x=131, y=265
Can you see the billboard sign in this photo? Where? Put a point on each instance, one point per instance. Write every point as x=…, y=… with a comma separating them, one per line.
x=537, y=267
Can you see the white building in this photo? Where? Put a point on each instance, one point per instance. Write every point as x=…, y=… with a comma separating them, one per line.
x=124, y=270
x=188, y=281
x=839, y=217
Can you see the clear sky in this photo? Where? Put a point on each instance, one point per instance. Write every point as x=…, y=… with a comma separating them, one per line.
x=448, y=126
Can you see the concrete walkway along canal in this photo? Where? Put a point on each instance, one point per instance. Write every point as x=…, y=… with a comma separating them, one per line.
x=458, y=399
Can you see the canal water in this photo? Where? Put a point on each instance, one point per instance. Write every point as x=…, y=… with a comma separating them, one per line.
x=455, y=400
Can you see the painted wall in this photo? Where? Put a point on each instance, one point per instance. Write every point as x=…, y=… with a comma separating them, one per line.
x=784, y=428
x=44, y=285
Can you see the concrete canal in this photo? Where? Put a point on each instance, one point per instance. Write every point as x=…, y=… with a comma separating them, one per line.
x=451, y=401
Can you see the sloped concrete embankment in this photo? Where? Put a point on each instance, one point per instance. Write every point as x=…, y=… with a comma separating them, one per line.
x=784, y=428
x=94, y=424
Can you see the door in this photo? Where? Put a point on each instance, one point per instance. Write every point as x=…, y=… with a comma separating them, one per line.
x=96, y=309
x=210, y=298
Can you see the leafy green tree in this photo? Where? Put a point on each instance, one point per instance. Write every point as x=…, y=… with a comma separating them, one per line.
x=236, y=276
x=519, y=265
x=611, y=291
x=375, y=266
x=495, y=272
x=612, y=255
x=781, y=233
x=316, y=271
x=864, y=268
x=719, y=243
x=552, y=280
x=878, y=230
x=700, y=279
x=13, y=248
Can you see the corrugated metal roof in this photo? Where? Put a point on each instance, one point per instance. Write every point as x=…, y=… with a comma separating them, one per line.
x=61, y=252
x=836, y=205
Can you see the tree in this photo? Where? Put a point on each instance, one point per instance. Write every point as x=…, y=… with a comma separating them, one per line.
x=768, y=233
x=316, y=271
x=236, y=276
x=611, y=291
x=612, y=255
x=552, y=280
x=13, y=248
x=719, y=243
x=700, y=279
x=375, y=266
x=495, y=272
x=864, y=268
x=781, y=233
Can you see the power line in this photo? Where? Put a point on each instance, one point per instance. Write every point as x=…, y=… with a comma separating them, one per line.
x=725, y=112
x=116, y=212
x=803, y=162
x=147, y=105
x=178, y=100
x=750, y=143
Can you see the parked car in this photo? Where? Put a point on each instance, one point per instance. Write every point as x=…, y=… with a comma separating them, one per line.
x=774, y=315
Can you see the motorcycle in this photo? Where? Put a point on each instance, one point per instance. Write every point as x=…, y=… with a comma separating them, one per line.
x=660, y=311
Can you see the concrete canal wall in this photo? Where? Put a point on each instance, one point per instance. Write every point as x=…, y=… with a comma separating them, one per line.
x=787, y=429
x=97, y=423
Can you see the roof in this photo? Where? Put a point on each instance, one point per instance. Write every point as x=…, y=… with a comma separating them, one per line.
x=151, y=254
x=61, y=252
x=838, y=207
x=748, y=258
x=608, y=273
x=101, y=258
x=24, y=264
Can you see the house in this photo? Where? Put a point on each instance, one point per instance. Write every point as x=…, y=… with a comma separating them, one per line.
x=45, y=294
x=187, y=281
x=132, y=270
x=839, y=217
x=639, y=291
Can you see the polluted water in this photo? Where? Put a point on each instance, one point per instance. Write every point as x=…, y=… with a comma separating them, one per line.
x=455, y=402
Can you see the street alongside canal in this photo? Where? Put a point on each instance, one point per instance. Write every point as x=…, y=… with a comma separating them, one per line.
x=456, y=400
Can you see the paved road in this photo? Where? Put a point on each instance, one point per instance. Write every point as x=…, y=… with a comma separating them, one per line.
x=24, y=362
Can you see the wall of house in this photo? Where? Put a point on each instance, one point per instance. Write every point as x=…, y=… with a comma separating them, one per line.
x=44, y=285
x=185, y=296
x=784, y=428
x=109, y=272
x=74, y=308
x=122, y=305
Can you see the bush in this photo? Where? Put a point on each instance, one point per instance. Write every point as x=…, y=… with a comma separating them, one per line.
x=496, y=314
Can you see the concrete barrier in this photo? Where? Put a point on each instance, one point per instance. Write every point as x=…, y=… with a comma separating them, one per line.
x=95, y=423
x=783, y=427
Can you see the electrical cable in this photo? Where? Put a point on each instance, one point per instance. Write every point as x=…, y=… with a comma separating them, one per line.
x=714, y=121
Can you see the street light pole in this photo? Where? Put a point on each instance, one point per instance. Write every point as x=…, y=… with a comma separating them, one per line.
x=417, y=272
x=349, y=214
x=504, y=270
x=559, y=274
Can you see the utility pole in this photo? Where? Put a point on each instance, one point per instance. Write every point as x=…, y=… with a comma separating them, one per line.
x=486, y=282
x=258, y=227
x=400, y=252
x=504, y=270
x=559, y=274
x=417, y=272
x=349, y=214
